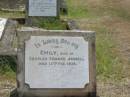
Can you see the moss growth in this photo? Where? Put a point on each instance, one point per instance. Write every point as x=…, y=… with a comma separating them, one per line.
x=53, y=24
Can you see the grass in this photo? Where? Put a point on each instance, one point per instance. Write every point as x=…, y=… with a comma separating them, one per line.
x=53, y=24
x=78, y=9
x=96, y=9
x=123, y=14
x=7, y=14
x=109, y=65
x=7, y=66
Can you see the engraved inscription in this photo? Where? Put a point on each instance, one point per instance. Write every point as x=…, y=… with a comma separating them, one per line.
x=42, y=7
x=56, y=62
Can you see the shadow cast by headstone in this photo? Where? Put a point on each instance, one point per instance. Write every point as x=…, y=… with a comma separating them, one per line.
x=14, y=93
x=8, y=62
x=12, y=61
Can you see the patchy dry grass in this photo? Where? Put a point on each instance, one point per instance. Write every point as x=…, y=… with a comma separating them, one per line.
x=91, y=15
x=111, y=20
x=7, y=84
x=7, y=14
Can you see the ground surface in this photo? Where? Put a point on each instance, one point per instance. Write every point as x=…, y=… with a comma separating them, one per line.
x=113, y=17
x=6, y=86
x=118, y=26
x=121, y=35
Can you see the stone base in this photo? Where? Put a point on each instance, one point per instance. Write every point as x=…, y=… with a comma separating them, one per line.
x=23, y=88
x=8, y=42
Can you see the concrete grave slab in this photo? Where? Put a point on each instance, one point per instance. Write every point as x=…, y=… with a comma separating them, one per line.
x=56, y=63
x=3, y=22
x=8, y=42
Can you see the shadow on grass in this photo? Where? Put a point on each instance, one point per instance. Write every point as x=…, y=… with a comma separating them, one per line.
x=7, y=64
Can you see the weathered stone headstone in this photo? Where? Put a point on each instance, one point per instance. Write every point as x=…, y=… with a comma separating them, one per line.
x=59, y=60
x=38, y=10
x=8, y=42
x=3, y=22
x=56, y=63
x=42, y=8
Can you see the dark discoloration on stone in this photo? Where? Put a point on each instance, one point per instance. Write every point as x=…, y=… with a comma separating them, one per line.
x=14, y=93
x=20, y=21
x=63, y=6
x=24, y=91
x=7, y=43
x=72, y=25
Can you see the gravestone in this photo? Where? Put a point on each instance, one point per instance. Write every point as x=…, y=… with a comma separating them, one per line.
x=38, y=10
x=8, y=41
x=42, y=8
x=3, y=22
x=56, y=63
